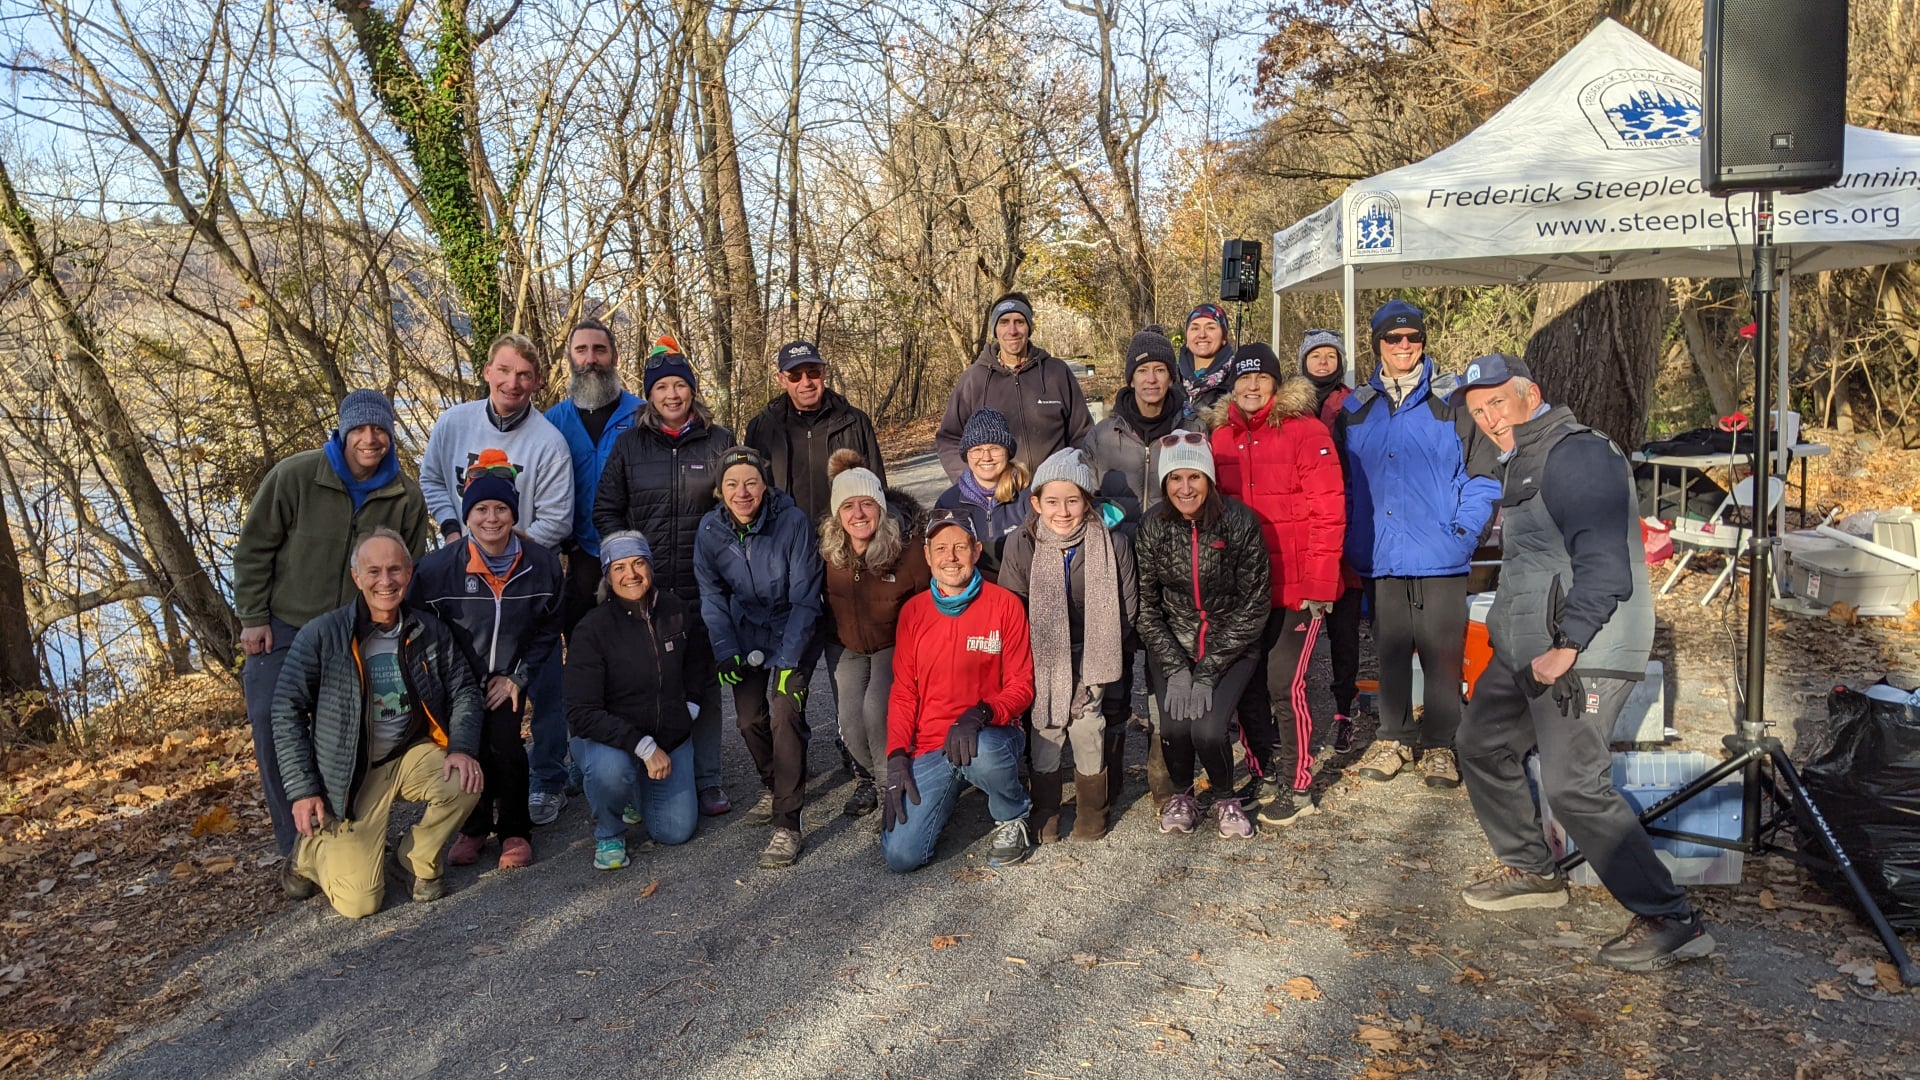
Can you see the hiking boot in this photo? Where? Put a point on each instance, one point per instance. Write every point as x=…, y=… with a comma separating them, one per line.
x=425, y=890
x=1384, y=760
x=515, y=852
x=1259, y=791
x=864, y=800
x=1440, y=767
x=296, y=885
x=1181, y=815
x=1231, y=819
x=1649, y=944
x=544, y=807
x=1288, y=809
x=1010, y=844
x=630, y=815
x=609, y=854
x=466, y=850
x=782, y=850
x=762, y=811
x=1342, y=733
x=714, y=802
x=1510, y=888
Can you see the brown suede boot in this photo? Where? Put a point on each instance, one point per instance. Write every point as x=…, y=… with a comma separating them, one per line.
x=1158, y=782
x=1114, y=753
x=1045, y=816
x=1089, y=805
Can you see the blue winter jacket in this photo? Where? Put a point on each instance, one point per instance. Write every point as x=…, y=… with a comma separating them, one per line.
x=1420, y=488
x=589, y=459
x=760, y=589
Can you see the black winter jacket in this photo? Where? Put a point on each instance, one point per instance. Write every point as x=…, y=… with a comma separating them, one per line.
x=507, y=635
x=319, y=705
x=663, y=485
x=1209, y=624
x=631, y=669
x=797, y=446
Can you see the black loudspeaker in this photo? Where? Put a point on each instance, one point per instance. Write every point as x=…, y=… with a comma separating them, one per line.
x=1775, y=81
x=1240, y=271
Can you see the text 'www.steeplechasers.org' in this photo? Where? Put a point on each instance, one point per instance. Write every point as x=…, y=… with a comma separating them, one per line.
x=1887, y=217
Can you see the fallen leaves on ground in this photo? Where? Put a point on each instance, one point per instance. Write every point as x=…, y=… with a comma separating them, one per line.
x=651, y=888
x=1302, y=988
x=945, y=941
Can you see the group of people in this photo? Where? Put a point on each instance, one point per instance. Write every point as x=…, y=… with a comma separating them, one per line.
x=608, y=568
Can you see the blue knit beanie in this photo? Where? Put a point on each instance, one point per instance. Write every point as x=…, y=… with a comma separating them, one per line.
x=984, y=427
x=363, y=407
x=487, y=486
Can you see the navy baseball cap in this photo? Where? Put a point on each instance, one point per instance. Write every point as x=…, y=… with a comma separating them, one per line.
x=795, y=353
x=1493, y=369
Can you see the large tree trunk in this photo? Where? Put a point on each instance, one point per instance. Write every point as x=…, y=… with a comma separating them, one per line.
x=746, y=317
x=19, y=668
x=85, y=381
x=1595, y=349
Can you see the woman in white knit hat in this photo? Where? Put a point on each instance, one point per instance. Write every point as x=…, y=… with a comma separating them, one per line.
x=875, y=562
x=1077, y=580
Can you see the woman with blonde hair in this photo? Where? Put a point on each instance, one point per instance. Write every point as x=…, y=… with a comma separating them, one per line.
x=992, y=491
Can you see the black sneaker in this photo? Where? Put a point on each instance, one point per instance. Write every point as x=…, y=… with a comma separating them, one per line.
x=1649, y=944
x=1342, y=733
x=864, y=800
x=1011, y=844
x=1509, y=889
x=1287, y=809
x=1258, y=792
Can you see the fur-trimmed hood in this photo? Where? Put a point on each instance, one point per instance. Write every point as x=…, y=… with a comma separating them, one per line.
x=1296, y=397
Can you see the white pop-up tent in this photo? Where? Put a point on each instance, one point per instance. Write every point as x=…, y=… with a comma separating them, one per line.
x=1592, y=174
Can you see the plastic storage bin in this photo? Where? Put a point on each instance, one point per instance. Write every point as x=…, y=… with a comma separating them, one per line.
x=1899, y=530
x=1646, y=777
x=1860, y=578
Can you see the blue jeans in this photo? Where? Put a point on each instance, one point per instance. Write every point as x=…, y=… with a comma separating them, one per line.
x=995, y=770
x=614, y=779
x=547, y=759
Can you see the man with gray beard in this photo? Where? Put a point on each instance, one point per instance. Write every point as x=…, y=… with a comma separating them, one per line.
x=596, y=411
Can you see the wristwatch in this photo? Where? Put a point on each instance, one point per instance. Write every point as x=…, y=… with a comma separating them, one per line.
x=1562, y=641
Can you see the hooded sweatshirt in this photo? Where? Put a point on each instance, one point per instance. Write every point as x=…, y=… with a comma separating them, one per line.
x=1042, y=401
x=531, y=447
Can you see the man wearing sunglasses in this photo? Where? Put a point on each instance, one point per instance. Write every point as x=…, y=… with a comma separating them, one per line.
x=799, y=430
x=1420, y=491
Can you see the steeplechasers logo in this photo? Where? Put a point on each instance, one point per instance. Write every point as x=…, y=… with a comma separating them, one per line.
x=1639, y=109
x=1376, y=224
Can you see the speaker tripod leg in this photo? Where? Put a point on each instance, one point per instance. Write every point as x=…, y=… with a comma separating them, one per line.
x=1810, y=814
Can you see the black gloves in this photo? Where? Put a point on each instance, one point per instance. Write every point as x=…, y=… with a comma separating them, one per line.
x=1569, y=693
x=730, y=670
x=900, y=789
x=963, y=738
x=792, y=685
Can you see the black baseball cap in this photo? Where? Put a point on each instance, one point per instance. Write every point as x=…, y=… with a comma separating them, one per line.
x=795, y=353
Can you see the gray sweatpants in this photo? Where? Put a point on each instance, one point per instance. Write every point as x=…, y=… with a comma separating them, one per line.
x=1576, y=775
x=861, y=684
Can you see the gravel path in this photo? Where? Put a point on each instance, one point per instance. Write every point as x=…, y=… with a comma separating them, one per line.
x=1335, y=948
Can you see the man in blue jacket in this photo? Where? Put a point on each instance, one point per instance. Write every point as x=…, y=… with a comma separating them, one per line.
x=597, y=409
x=1420, y=491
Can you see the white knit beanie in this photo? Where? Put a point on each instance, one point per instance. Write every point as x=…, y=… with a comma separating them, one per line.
x=856, y=483
x=1186, y=454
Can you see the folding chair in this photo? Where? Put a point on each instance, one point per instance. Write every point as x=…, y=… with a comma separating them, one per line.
x=1717, y=534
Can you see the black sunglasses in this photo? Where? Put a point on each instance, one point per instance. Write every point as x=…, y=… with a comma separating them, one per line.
x=1415, y=336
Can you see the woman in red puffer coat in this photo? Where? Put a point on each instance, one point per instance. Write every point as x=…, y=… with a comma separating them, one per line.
x=1274, y=454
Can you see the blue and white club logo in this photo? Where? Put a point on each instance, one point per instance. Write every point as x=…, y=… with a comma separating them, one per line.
x=1641, y=109
x=1473, y=374
x=1376, y=224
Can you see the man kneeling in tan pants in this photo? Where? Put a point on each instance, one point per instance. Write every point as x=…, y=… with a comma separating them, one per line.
x=375, y=704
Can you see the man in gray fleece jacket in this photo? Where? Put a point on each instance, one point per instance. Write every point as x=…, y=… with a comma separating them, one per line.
x=1042, y=401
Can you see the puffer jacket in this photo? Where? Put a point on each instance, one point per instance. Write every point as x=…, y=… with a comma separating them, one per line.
x=663, y=485
x=1204, y=590
x=320, y=704
x=629, y=673
x=797, y=446
x=760, y=588
x=991, y=526
x=1282, y=464
x=1421, y=483
x=1042, y=401
x=863, y=604
x=1125, y=463
x=505, y=632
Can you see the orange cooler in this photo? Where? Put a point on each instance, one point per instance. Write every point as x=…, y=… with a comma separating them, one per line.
x=1479, y=647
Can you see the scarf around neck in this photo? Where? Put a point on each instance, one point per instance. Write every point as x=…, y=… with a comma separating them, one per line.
x=358, y=490
x=1151, y=429
x=954, y=605
x=971, y=491
x=1049, y=598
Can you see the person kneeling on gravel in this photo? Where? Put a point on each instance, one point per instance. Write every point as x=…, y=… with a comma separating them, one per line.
x=375, y=704
x=637, y=662
x=962, y=675
x=1571, y=629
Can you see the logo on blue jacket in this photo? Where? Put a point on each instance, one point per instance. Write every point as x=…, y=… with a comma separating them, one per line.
x=1376, y=224
x=1641, y=109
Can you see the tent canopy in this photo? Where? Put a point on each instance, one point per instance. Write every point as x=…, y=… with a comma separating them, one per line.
x=1593, y=173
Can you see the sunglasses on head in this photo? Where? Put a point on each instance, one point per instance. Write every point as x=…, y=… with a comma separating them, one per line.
x=1191, y=438
x=1415, y=337
x=659, y=359
x=805, y=373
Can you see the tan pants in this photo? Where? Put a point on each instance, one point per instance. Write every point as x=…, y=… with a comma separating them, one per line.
x=1085, y=732
x=346, y=858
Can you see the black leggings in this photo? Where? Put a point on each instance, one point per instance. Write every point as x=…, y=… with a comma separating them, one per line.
x=1343, y=640
x=1207, y=739
x=503, y=760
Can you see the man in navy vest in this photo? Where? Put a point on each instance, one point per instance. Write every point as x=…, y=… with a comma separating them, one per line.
x=1571, y=629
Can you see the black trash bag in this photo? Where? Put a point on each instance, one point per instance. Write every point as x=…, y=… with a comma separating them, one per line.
x=1867, y=785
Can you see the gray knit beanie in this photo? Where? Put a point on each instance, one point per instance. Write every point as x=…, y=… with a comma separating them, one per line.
x=363, y=407
x=1314, y=339
x=1066, y=464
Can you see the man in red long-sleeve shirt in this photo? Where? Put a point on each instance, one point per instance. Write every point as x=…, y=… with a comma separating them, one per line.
x=962, y=675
